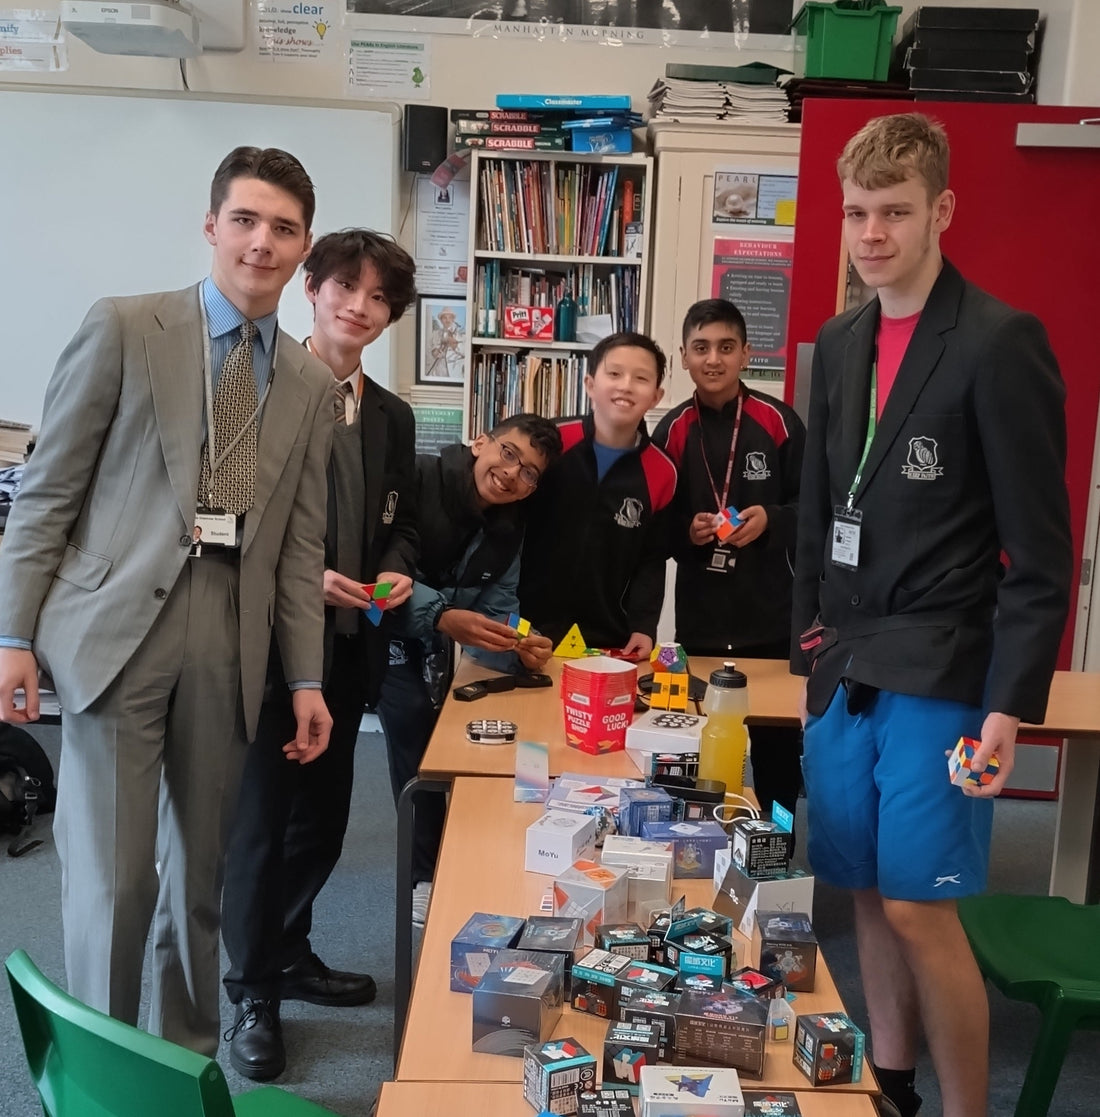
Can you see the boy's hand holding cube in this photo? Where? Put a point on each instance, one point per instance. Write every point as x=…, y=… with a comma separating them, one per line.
x=959, y=761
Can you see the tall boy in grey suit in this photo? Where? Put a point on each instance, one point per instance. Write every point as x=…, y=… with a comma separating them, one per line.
x=158, y=643
x=936, y=448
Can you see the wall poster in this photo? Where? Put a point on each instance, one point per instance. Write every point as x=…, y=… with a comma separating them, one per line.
x=756, y=276
x=714, y=24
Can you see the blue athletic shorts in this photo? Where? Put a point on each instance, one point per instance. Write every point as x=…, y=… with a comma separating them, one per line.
x=881, y=810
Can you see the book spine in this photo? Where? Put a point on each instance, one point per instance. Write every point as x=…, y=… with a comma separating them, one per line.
x=562, y=101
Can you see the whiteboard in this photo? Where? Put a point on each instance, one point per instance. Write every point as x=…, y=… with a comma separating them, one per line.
x=105, y=194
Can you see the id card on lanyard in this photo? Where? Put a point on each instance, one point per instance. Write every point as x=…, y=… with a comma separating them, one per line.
x=723, y=559
x=847, y=519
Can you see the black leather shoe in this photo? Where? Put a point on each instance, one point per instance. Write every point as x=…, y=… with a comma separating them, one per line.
x=256, y=1040
x=311, y=980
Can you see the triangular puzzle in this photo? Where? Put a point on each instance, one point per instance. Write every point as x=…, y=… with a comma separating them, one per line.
x=572, y=645
x=379, y=594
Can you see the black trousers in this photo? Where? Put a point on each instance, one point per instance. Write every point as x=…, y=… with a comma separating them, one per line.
x=288, y=833
x=408, y=719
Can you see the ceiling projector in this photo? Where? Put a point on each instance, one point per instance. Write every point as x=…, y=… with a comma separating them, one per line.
x=154, y=28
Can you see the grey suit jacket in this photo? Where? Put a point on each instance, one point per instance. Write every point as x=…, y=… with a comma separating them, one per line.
x=103, y=523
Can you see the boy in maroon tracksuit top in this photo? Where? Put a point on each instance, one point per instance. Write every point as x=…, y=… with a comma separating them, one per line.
x=594, y=553
x=734, y=446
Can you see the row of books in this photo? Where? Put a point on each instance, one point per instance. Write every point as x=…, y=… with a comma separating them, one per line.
x=597, y=289
x=540, y=207
x=970, y=53
x=547, y=383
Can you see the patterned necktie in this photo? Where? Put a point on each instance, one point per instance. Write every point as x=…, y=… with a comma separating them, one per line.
x=344, y=404
x=235, y=404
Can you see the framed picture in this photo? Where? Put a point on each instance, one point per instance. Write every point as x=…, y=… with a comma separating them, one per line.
x=441, y=341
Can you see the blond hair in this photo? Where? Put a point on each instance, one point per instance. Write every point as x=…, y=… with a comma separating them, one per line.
x=891, y=149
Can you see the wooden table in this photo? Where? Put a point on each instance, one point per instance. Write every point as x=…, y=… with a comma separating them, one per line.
x=481, y=869
x=773, y=698
x=486, y=1099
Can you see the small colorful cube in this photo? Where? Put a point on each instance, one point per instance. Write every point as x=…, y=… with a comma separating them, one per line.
x=519, y=625
x=728, y=519
x=958, y=765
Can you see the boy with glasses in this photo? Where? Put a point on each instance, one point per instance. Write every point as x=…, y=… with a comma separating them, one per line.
x=470, y=537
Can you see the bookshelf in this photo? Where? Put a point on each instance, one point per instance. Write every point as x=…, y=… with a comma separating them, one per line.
x=542, y=223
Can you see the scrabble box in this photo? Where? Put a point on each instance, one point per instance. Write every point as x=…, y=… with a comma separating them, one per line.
x=760, y=847
x=623, y=938
x=556, y=839
x=785, y=946
x=649, y=871
x=722, y=1028
x=593, y=893
x=700, y=1091
x=517, y=1002
x=694, y=845
x=638, y=805
x=551, y=934
x=828, y=1048
x=626, y=1049
x=651, y=1006
x=556, y=1073
x=481, y=938
x=594, y=987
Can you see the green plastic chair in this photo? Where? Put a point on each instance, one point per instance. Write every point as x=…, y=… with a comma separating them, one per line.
x=1045, y=950
x=86, y=1064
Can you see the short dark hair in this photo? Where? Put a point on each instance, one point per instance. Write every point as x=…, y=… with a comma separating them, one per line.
x=543, y=434
x=627, y=340
x=708, y=311
x=268, y=164
x=342, y=255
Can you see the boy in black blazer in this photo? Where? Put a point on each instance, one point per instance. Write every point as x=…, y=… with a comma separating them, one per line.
x=932, y=584
x=290, y=823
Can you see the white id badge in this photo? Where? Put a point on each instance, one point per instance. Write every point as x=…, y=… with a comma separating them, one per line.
x=218, y=529
x=845, y=532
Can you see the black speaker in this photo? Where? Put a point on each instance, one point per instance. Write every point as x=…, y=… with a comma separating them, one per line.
x=424, y=142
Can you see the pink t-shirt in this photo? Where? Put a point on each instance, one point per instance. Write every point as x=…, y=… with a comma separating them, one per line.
x=893, y=340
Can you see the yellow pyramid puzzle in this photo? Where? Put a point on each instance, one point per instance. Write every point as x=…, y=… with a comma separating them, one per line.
x=572, y=645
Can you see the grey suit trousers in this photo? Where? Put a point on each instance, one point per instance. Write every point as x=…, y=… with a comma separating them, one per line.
x=148, y=781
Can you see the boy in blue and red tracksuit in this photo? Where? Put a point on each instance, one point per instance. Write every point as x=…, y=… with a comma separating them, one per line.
x=734, y=446
x=595, y=547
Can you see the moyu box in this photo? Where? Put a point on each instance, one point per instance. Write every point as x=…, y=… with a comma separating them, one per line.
x=700, y=1091
x=556, y=1073
x=582, y=794
x=551, y=934
x=828, y=1048
x=761, y=847
x=606, y=1102
x=481, y=938
x=784, y=944
x=724, y=1028
x=694, y=845
x=593, y=893
x=627, y=939
x=598, y=702
x=557, y=839
x=517, y=1001
x=593, y=987
x=740, y=896
x=638, y=805
x=649, y=869
x=626, y=1049
x=651, y=1006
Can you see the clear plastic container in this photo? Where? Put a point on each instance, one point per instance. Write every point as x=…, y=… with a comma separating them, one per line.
x=725, y=740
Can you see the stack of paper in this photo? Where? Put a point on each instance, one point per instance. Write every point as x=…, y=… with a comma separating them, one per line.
x=732, y=102
x=13, y=442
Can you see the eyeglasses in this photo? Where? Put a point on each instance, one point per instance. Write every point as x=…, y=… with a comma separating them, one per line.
x=528, y=474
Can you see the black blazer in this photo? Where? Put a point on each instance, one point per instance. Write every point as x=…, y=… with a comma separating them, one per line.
x=390, y=539
x=968, y=461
